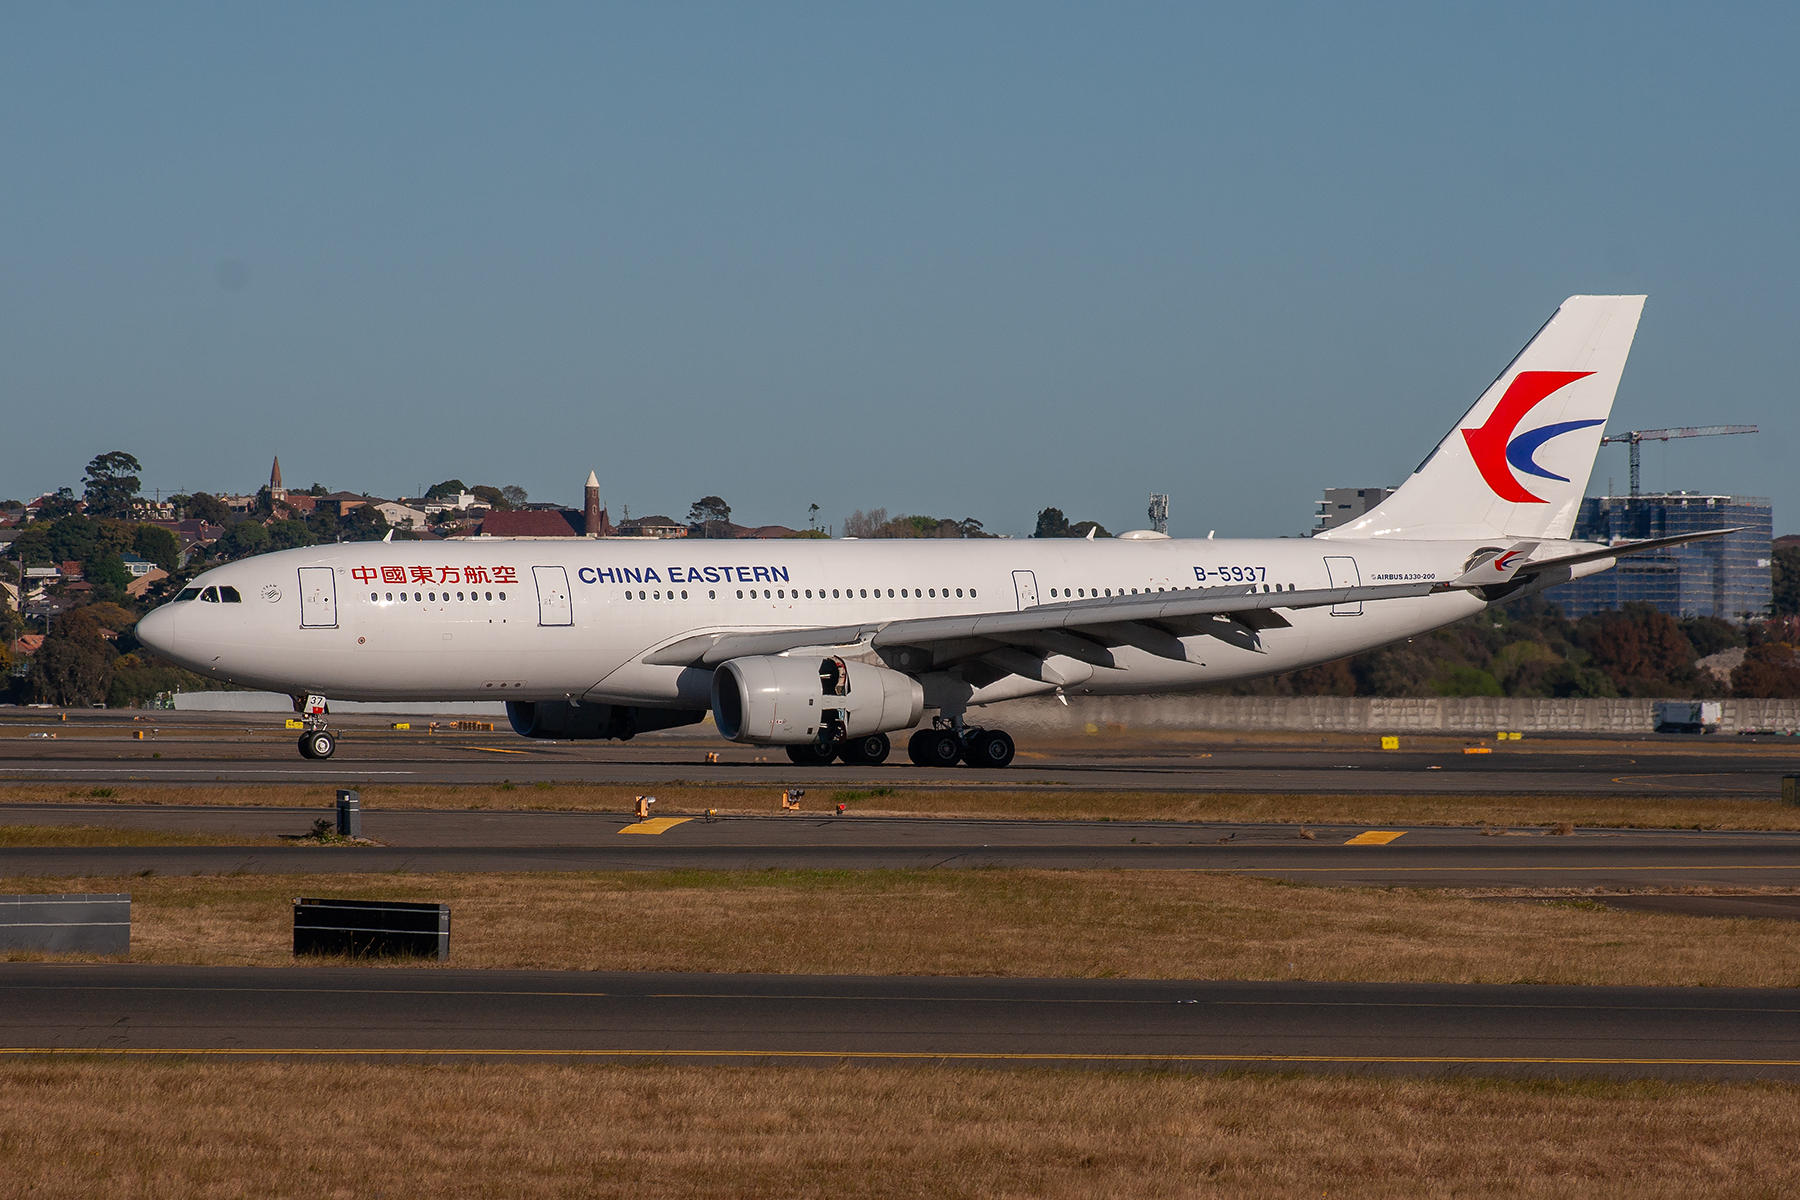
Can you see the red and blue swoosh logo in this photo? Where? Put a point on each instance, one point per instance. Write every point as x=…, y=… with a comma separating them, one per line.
x=1493, y=446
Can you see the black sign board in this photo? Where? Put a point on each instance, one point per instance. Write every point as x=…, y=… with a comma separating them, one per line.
x=372, y=928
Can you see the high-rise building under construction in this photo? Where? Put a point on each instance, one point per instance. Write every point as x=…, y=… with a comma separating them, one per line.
x=1725, y=577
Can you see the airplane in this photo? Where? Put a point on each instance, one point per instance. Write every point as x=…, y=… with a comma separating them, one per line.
x=826, y=647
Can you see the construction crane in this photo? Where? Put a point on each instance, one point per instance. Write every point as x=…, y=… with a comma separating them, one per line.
x=1636, y=436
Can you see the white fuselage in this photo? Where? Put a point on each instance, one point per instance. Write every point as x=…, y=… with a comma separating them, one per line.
x=553, y=619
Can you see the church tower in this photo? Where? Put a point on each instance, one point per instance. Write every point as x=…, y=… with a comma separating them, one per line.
x=276, y=491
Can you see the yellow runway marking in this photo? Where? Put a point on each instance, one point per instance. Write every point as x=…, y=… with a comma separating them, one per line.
x=1375, y=837
x=497, y=750
x=921, y=1056
x=656, y=825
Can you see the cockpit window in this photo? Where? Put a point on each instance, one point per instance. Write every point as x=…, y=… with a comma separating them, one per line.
x=187, y=594
x=230, y=595
x=210, y=595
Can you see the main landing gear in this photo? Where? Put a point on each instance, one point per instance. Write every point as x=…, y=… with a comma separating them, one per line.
x=318, y=742
x=868, y=751
x=947, y=745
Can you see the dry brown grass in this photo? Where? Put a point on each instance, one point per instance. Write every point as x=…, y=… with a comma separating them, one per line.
x=1034, y=802
x=1091, y=924
x=529, y=1130
x=100, y=835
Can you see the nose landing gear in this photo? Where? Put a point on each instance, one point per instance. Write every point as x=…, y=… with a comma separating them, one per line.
x=318, y=742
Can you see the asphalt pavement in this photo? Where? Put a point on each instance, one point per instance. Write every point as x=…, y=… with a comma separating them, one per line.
x=252, y=749
x=449, y=1014
x=488, y=841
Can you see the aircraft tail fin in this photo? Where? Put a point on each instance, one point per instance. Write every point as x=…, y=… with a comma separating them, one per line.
x=1517, y=463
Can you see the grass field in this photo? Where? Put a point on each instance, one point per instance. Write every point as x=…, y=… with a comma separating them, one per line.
x=101, y=835
x=1089, y=924
x=1032, y=802
x=255, y=1129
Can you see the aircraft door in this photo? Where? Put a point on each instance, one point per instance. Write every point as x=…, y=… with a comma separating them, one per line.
x=318, y=598
x=1025, y=585
x=553, y=596
x=1343, y=574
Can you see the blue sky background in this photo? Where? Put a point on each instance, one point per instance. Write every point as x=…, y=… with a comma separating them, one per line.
x=968, y=260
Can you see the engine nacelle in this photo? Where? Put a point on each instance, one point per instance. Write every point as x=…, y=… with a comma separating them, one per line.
x=779, y=701
x=589, y=722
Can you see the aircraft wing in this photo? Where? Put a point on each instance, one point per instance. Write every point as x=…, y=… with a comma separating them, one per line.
x=1090, y=629
x=1059, y=627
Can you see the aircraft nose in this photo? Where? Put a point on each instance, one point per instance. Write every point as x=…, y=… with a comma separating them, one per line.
x=156, y=629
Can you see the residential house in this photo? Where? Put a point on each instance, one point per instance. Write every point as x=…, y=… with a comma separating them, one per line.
x=534, y=522
x=400, y=516
x=653, y=527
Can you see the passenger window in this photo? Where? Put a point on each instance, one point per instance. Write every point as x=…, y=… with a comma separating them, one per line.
x=490, y=595
x=959, y=593
x=375, y=596
x=713, y=595
x=740, y=595
x=684, y=595
x=834, y=593
x=210, y=595
x=503, y=595
x=459, y=595
x=390, y=597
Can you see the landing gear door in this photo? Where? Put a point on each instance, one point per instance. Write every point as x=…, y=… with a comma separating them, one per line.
x=553, y=596
x=318, y=598
x=1343, y=574
x=1025, y=585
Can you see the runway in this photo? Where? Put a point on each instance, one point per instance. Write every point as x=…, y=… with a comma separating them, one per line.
x=186, y=750
x=453, y=1014
x=1336, y=855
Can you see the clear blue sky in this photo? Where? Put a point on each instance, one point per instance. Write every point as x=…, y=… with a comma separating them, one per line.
x=968, y=260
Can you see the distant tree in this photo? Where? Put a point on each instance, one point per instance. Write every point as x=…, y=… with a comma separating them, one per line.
x=1769, y=671
x=243, y=539
x=115, y=617
x=324, y=525
x=58, y=504
x=1641, y=650
x=450, y=489
x=1566, y=680
x=288, y=535
x=208, y=508
x=712, y=514
x=109, y=577
x=1709, y=635
x=514, y=495
x=73, y=666
x=709, y=508
x=317, y=489
x=812, y=516
x=1051, y=523
x=1784, y=581
x=158, y=545
x=112, y=484
x=364, y=523
x=492, y=497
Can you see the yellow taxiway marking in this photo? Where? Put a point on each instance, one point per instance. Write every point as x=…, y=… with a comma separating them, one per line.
x=656, y=825
x=909, y=1055
x=497, y=750
x=1375, y=837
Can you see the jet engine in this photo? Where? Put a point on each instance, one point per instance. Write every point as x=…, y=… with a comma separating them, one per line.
x=588, y=722
x=783, y=701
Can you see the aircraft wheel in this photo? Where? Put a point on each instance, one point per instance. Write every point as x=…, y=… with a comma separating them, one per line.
x=306, y=745
x=811, y=755
x=869, y=751
x=318, y=744
x=990, y=748
x=934, y=748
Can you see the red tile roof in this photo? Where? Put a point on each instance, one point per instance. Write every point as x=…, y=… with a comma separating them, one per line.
x=568, y=522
